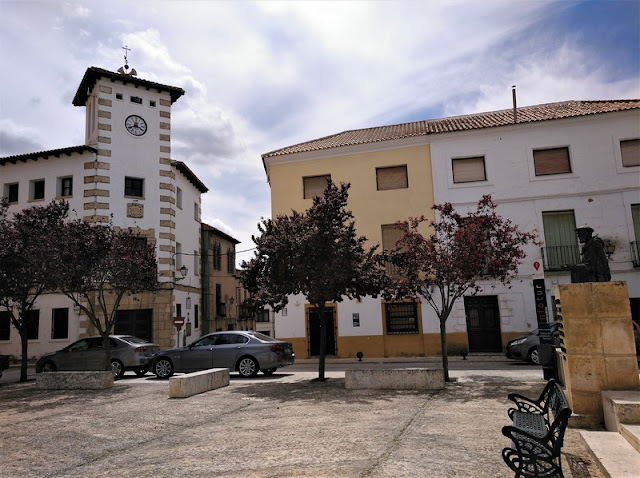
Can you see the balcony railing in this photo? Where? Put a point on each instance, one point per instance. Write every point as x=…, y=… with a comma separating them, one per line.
x=635, y=253
x=553, y=258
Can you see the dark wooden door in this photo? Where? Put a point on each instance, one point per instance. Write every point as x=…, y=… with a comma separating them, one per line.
x=483, y=323
x=314, y=331
x=135, y=322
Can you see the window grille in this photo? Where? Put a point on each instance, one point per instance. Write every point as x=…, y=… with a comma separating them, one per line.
x=401, y=318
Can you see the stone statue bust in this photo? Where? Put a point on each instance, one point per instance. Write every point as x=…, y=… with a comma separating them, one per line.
x=594, y=265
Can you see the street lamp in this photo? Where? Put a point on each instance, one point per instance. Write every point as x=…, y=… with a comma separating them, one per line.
x=183, y=272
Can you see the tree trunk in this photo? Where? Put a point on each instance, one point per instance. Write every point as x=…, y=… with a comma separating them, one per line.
x=443, y=346
x=24, y=342
x=323, y=342
x=107, y=352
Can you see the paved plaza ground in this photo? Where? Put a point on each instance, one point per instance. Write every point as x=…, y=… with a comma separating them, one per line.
x=284, y=425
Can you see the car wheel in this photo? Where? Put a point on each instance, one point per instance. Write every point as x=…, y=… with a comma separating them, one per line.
x=163, y=368
x=141, y=372
x=269, y=371
x=117, y=368
x=533, y=357
x=48, y=367
x=248, y=367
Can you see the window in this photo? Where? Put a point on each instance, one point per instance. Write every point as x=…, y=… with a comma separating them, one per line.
x=60, y=323
x=315, y=185
x=178, y=310
x=196, y=316
x=65, y=187
x=217, y=256
x=136, y=99
x=231, y=260
x=118, y=96
x=179, y=197
x=401, y=317
x=5, y=325
x=630, y=151
x=33, y=324
x=11, y=192
x=134, y=187
x=196, y=211
x=635, y=245
x=561, y=243
x=196, y=263
x=152, y=103
x=178, y=255
x=36, y=189
x=392, y=178
x=551, y=161
x=468, y=170
x=390, y=235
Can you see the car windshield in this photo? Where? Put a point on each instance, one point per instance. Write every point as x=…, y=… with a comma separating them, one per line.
x=133, y=340
x=264, y=338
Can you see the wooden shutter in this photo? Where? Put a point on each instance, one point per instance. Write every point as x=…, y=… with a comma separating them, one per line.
x=630, y=151
x=315, y=186
x=392, y=178
x=466, y=170
x=551, y=161
x=390, y=235
x=635, y=216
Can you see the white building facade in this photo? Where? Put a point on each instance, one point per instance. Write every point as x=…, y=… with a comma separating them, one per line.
x=123, y=173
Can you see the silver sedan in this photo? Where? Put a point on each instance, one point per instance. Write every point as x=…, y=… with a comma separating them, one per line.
x=244, y=352
x=127, y=353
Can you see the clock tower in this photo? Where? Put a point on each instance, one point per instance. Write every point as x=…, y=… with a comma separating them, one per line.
x=132, y=180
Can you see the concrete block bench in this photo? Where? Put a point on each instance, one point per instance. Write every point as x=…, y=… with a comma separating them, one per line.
x=88, y=380
x=395, y=379
x=186, y=385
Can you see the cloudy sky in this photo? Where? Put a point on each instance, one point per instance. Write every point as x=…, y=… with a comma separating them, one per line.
x=259, y=76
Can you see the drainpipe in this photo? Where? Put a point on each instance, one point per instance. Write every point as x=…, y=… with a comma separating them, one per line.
x=515, y=106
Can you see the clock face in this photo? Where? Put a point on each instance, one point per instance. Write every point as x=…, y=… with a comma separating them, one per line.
x=135, y=125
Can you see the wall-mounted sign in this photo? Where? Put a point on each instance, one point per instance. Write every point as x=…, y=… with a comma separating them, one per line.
x=356, y=319
x=542, y=314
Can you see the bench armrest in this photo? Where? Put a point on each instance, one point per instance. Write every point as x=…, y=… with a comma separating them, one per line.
x=525, y=404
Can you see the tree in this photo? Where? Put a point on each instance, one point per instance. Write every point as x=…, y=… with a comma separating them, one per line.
x=26, y=245
x=460, y=251
x=96, y=265
x=316, y=253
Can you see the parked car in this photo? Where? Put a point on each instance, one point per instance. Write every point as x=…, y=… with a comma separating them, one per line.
x=525, y=347
x=244, y=352
x=127, y=353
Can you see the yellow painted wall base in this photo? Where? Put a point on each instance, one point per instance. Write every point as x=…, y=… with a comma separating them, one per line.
x=598, y=338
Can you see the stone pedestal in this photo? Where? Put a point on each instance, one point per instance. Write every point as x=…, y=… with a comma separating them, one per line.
x=598, y=350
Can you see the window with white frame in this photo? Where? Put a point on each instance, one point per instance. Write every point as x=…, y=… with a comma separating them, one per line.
x=468, y=170
x=630, y=152
x=65, y=187
x=36, y=189
x=551, y=161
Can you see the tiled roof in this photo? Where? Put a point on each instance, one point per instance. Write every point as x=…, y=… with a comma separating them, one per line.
x=219, y=233
x=94, y=73
x=46, y=154
x=193, y=179
x=526, y=114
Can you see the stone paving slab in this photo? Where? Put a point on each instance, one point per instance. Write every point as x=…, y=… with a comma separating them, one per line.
x=284, y=425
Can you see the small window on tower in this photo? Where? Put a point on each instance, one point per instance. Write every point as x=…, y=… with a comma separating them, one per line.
x=152, y=103
x=118, y=96
x=136, y=99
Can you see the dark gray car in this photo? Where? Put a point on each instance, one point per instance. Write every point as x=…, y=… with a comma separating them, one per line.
x=244, y=352
x=127, y=353
x=526, y=346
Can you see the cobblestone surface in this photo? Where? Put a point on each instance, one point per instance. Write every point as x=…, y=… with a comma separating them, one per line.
x=284, y=425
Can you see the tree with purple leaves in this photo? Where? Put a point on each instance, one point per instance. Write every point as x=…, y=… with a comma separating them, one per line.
x=460, y=251
x=316, y=253
x=27, y=240
x=96, y=265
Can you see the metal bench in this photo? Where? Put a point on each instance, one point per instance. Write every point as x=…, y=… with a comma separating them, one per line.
x=537, y=433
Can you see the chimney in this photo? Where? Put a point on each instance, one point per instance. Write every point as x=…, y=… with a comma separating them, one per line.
x=515, y=106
